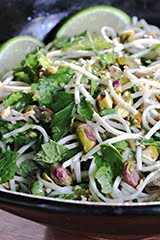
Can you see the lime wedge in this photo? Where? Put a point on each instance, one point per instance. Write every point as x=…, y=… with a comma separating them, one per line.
x=93, y=19
x=14, y=51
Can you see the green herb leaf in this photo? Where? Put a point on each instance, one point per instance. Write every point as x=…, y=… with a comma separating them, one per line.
x=155, y=47
x=26, y=169
x=146, y=142
x=107, y=111
x=61, y=100
x=18, y=99
x=48, y=86
x=28, y=69
x=7, y=165
x=51, y=152
x=37, y=189
x=107, y=58
x=121, y=146
x=62, y=122
x=71, y=196
x=94, y=85
x=85, y=110
x=104, y=176
x=112, y=157
x=61, y=42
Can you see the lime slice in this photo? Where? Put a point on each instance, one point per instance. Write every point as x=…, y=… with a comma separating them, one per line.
x=14, y=51
x=93, y=19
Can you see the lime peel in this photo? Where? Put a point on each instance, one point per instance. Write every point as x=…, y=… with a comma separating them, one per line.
x=15, y=50
x=92, y=19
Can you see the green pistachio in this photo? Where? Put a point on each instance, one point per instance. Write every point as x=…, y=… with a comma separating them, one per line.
x=86, y=137
x=104, y=100
x=128, y=36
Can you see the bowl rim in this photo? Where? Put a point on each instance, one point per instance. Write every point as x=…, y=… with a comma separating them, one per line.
x=52, y=205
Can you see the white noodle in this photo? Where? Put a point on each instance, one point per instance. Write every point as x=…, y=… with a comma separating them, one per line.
x=120, y=100
x=79, y=69
x=153, y=130
x=25, y=157
x=23, y=129
x=72, y=159
x=76, y=91
x=66, y=139
x=86, y=94
x=125, y=136
x=141, y=187
x=26, y=147
x=102, y=122
x=72, y=145
x=153, y=167
x=139, y=157
x=12, y=185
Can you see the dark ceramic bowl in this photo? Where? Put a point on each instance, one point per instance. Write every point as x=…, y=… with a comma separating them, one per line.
x=93, y=219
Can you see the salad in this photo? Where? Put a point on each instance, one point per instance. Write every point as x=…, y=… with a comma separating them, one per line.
x=79, y=118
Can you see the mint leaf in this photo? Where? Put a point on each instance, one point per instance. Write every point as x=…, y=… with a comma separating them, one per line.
x=104, y=177
x=26, y=169
x=61, y=100
x=37, y=189
x=51, y=152
x=62, y=121
x=112, y=157
x=85, y=110
x=7, y=165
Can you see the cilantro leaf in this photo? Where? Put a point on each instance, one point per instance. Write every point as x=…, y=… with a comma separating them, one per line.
x=18, y=99
x=7, y=165
x=28, y=69
x=48, y=86
x=62, y=121
x=51, y=152
x=85, y=110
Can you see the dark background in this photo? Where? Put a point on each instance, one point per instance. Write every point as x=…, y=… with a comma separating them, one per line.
x=17, y=16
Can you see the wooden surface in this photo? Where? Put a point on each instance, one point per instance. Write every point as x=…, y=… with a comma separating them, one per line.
x=16, y=228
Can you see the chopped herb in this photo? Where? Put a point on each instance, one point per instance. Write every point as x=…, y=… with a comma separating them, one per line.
x=51, y=152
x=7, y=165
x=62, y=121
x=85, y=110
x=37, y=189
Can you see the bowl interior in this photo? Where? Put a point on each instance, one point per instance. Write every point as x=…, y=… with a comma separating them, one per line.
x=37, y=18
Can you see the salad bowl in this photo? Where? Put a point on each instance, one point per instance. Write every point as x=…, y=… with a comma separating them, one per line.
x=90, y=219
